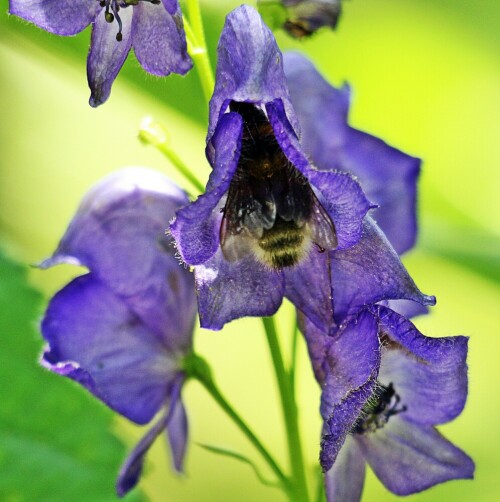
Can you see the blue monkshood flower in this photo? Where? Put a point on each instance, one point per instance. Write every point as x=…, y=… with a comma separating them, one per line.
x=122, y=329
x=264, y=226
x=154, y=29
x=385, y=387
x=302, y=18
x=387, y=175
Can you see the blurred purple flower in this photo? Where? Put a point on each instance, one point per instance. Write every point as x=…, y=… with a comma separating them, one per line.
x=122, y=329
x=261, y=229
x=153, y=28
x=387, y=175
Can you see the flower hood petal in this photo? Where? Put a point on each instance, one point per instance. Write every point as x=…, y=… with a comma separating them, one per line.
x=249, y=66
x=134, y=206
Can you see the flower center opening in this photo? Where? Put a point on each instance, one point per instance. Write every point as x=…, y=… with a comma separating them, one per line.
x=113, y=7
x=271, y=210
x=382, y=405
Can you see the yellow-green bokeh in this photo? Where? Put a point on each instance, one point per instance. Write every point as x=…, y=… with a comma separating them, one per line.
x=425, y=76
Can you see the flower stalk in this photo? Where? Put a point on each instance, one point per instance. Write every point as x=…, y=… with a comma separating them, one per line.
x=196, y=367
x=289, y=407
x=153, y=133
x=197, y=47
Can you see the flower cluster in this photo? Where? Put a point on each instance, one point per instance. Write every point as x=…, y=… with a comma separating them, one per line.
x=299, y=204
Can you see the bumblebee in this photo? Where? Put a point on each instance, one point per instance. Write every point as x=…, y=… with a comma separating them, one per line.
x=271, y=210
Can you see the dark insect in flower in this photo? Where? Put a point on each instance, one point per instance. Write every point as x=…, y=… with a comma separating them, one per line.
x=382, y=405
x=271, y=210
x=114, y=6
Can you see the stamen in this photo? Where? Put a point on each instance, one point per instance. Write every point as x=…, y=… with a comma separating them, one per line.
x=382, y=405
x=114, y=6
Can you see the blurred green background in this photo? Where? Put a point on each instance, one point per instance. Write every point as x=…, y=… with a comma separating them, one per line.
x=425, y=75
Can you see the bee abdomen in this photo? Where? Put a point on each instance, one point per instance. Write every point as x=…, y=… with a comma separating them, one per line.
x=276, y=241
x=283, y=245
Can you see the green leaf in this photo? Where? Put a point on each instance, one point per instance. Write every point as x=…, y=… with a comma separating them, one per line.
x=218, y=450
x=55, y=442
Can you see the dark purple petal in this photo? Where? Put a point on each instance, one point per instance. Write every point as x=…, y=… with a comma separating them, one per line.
x=347, y=376
x=249, y=66
x=317, y=345
x=307, y=286
x=158, y=39
x=339, y=193
x=343, y=418
x=408, y=458
x=369, y=272
x=430, y=375
x=197, y=226
x=61, y=17
x=177, y=430
x=172, y=6
x=387, y=175
x=131, y=470
x=321, y=109
x=344, y=481
x=352, y=358
x=107, y=55
x=96, y=340
x=134, y=206
x=227, y=291
x=389, y=178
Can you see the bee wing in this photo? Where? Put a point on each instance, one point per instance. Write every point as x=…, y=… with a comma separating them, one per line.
x=321, y=227
x=236, y=238
x=235, y=242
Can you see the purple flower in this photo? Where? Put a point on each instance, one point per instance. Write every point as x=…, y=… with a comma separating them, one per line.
x=122, y=329
x=387, y=175
x=302, y=18
x=383, y=408
x=153, y=28
x=263, y=227
x=384, y=385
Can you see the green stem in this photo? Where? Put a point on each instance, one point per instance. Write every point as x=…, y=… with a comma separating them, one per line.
x=153, y=133
x=198, y=368
x=181, y=166
x=299, y=483
x=293, y=359
x=197, y=47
